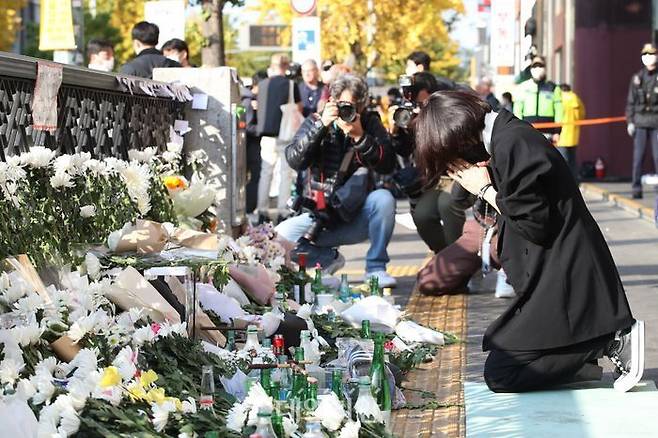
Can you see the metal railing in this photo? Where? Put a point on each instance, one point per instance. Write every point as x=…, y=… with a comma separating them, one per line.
x=96, y=112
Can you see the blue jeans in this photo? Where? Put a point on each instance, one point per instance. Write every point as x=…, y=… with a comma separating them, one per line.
x=375, y=222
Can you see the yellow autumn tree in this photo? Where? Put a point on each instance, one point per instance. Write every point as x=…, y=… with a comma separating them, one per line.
x=379, y=33
x=10, y=21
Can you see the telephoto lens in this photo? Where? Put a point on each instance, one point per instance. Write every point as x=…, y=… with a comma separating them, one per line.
x=403, y=115
x=346, y=111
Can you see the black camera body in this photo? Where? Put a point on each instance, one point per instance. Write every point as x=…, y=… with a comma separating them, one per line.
x=346, y=111
x=406, y=110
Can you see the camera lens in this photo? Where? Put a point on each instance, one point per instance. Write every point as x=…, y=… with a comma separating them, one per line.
x=402, y=117
x=346, y=112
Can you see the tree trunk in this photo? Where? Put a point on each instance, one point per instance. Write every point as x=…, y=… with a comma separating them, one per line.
x=212, y=54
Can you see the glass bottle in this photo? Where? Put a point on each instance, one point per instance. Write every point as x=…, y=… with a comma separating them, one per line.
x=301, y=280
x=345, y=292
x=277, y=422
x=264, y=425
x=317, y=287
x=252, y=339
x=230, y=340
x=305, y=343
x=206, y=399
x=266, y=379
x=279, y=346
x=313, y=429
x=380, y=386
x=365, y=329
x=281, y=302
x=282, y=374
x=337, y=383
x=366, y=405
x=311, y=395
x=374, y=286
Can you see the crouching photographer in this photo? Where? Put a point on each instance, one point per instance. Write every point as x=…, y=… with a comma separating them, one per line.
x=338, y=153
x=439, y=219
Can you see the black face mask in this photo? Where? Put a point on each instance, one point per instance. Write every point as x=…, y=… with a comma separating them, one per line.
x=474, y=154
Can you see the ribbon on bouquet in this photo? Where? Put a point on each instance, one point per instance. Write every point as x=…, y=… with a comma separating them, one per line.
x=149, y=236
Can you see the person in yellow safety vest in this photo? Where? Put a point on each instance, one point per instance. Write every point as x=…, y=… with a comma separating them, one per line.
x=573, y=110
x=538, y=100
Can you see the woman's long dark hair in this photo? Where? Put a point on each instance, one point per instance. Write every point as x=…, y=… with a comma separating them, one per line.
x=449, y=127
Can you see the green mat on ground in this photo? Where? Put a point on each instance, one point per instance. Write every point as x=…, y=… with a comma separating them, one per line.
x=594, y=410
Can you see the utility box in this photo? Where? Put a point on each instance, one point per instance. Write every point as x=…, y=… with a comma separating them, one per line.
x=218, y=128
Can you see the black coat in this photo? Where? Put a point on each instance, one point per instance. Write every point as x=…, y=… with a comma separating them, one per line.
x=145, y=62
x=642, y=100
x=568, y=288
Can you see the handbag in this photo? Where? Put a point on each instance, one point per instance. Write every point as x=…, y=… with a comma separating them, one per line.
x=348, y=199
x=291, y=118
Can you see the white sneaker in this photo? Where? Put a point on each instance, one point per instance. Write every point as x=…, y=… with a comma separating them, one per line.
x=628, y=356
x=385, y=280
x=503, y=289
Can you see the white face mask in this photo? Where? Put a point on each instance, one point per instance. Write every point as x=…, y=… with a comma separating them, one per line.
x=174, y=57
x=649, y=60
x=538, y=73
x=103, y=65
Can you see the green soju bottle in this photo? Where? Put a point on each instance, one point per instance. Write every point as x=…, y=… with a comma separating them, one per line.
x=365, y=329
x=301, y=280
x=380, y=387
x=345, y=293
x=317, y=287
x=337, y=383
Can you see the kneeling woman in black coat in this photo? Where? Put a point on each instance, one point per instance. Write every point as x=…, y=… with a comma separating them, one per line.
x=571, y=308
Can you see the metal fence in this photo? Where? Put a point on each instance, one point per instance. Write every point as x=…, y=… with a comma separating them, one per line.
x=95, y=112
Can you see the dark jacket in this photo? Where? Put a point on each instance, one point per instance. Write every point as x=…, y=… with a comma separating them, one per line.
x=144, y=63
x=568, y=288
x=321, y=149
x=251, y=117
x=642, y=100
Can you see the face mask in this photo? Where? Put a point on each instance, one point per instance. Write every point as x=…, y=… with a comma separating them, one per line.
x=538, y=73
x=174, y=57
x=648, y=60
x=103, y=65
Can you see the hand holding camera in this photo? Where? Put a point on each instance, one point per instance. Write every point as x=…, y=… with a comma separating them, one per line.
x=330, y=113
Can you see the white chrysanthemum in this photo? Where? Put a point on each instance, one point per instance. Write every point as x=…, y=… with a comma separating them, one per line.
x=143, y=335
x=236, y=417
x=171, y=157
x=38, y=157
x=69, y=422
x=64, y=164
x=174, y=147
x=143, y=203
x=115, y=236
x=25, y=389
x=189, y=406
x=331, y=411
x=80, y=161
x=29, y=304
x=126, y=362
x=114, y=165
x=350, y=430
x=93, y=266
x=87, y=211
x=85, y=362
x=161, y=414
x=43, y=382
x=61, y=180
x=27, y=334
x=136, y=177
x=10, y=370
x=96, y=167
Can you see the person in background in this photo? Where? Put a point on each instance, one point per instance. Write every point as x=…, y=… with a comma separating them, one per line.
x=177, y=50
x=484, y=90
x=145, y=37
x=574, y=110
x=642, y=115
x=101, y=55
x=328, y=78
x=539, y=100
x=418, y=61
x=508, y=101
x=272, y=93
x=328, y=148
x=311, y=88
x=250, y=103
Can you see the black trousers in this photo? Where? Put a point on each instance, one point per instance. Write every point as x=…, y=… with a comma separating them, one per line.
x=253, y=172
x=640, y=140
x=433, y=208
x=521, y=371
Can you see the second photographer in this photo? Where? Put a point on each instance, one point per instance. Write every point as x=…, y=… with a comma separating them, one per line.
x=338, y=151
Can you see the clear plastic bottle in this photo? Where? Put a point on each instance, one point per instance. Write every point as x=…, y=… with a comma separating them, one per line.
x=207, y=397
x=345, y=292
x=252, y=339
x=313, y=429
x=366, y=406
x=305, y=343
x=264, y=426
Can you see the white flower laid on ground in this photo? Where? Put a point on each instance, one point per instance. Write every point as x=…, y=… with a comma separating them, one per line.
x=12, y=363
x=350, y=430
x=93, y=266
x=137, y=178
x=87, y=211
x=331, y=412
x=247, y=411
x=61, y=180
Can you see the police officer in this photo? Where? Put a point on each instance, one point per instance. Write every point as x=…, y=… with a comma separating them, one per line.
x=537, y=100
x=642, y=114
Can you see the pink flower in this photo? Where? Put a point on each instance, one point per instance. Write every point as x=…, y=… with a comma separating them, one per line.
x=155, y=328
